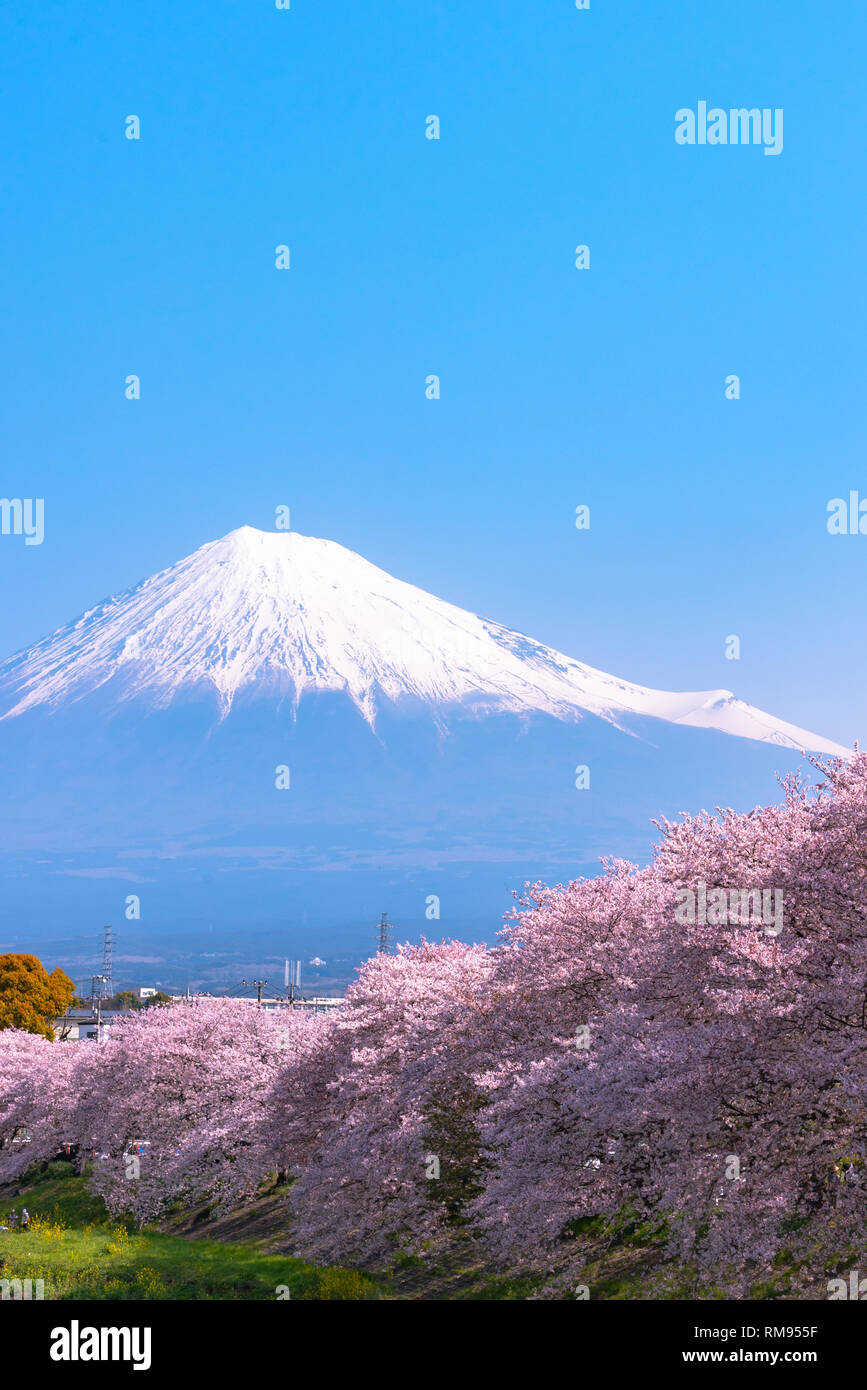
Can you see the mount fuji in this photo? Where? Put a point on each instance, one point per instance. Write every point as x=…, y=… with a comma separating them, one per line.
x=274, y=728
x=278, y=615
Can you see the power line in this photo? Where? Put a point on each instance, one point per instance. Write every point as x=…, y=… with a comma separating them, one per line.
x=258, y=985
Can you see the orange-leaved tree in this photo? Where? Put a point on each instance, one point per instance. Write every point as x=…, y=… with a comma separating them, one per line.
x=30, y=998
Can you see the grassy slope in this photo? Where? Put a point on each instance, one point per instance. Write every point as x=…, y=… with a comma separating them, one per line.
x=80, y=1252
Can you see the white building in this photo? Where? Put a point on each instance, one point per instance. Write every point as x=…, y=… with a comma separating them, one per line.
x=318, y=1004
x=80, y=1025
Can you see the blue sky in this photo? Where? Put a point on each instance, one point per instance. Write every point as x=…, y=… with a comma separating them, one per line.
x=454, y=257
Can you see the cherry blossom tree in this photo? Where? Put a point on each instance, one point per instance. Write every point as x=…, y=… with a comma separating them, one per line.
x=680, y=1048
x=39, y=1091
x=388, y=1118
x=178, y=1103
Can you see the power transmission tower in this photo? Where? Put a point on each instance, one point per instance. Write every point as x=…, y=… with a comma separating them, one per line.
x=107, y=972
x=384, y=929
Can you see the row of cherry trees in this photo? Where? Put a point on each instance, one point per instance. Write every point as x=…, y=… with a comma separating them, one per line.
x=706, y=1076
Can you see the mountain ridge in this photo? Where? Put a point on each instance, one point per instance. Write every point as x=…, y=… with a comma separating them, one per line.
x=282, y=614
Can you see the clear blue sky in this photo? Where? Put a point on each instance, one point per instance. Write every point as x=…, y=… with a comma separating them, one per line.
x=455, y=257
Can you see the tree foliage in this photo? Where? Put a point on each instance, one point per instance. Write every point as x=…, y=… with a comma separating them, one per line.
x=704, y=1075
x=30, y=998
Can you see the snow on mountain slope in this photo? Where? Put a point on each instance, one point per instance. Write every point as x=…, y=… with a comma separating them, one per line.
x=279, y=614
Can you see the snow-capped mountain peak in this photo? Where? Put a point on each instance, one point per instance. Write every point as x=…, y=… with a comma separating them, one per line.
x=280, y=614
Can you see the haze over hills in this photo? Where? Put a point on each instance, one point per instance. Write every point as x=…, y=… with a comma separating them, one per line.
x=426, y=753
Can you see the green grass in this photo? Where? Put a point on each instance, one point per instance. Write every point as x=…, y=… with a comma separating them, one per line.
x=79, y=1252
